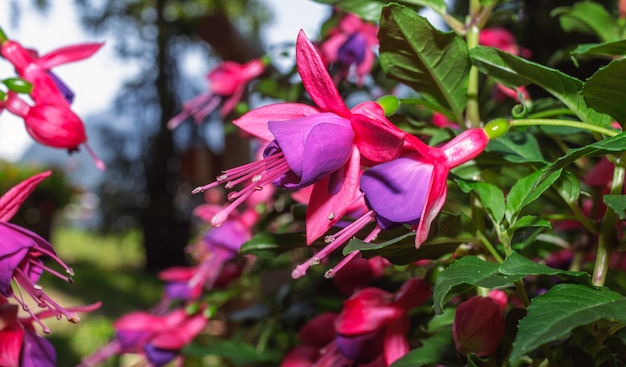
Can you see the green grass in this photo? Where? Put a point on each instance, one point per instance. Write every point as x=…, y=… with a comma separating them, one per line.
x=107, y=269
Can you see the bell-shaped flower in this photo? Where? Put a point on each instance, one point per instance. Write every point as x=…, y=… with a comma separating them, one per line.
x=332, y=164
x=412, y=189
x=351, y=45
x=159, y=338
x=22, y=253
x=374, y=321
x=227, y=83
x=478, y=326
x=35, y=69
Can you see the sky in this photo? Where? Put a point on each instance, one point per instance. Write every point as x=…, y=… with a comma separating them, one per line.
x=95, y=80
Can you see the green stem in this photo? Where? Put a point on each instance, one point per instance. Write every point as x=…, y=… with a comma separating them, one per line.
x=608, y=238
x=472, y=113
x=550, y=113
x=492, y=250
x=3, y=36
x=565, y=123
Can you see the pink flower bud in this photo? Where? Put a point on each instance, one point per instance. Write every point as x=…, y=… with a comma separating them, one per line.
x=478, y=326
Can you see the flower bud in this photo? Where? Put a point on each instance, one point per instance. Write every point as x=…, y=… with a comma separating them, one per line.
x=478, y=326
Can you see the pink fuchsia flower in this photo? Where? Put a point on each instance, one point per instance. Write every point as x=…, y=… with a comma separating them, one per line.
x=504, y=40
x=227, y=82
x=374, y=322
x=34, y=69
x=478, y=326
x=20, y=345
x=351, y=44
x=412, y=189
x=322, y=146
x=22, y=253
x=158, y=338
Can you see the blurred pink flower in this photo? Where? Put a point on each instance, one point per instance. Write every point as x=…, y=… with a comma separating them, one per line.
x=351, y=44
x=227, y=82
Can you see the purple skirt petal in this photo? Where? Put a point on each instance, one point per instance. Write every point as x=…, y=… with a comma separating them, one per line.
x=397, y=190
x=314, y=146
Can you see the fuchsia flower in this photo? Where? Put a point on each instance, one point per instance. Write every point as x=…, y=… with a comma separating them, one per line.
x=407, y=190
x=370, y=330
x=20, y=346
x=227, y=81
x=22, y=253
x=158, y=338
x=50, y=121
x=322, y=146
x=351, y=44
x=504, y=40
x=478, y=326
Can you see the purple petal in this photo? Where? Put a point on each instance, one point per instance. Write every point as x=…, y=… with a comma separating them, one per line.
x=361, y=348
x=63, y=88
x=37, y=351
x=157, y=356
x=397, y=190
x=314, y=146
x=353, y=50
x=229, y=236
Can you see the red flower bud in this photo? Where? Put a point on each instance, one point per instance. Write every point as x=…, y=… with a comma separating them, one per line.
x=478, y=326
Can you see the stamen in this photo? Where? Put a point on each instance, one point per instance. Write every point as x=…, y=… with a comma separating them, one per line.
x=338, y=239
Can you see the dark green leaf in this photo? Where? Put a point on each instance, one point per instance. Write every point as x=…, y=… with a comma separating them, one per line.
x=273, y=242
x=446, y=234
x=605, y=90
x=436, y=350
x=617, y=203
x=433, y=63
x=465, y=273
x=588, y=17
x=528, y=221
x=568, y=186
x=240, y=354
x=527, y=190
x=490, y=196
x=518, y=266
x=554, y=314
x=514, y=72
x=517, y=147
x=616, y=48
x=615, y=144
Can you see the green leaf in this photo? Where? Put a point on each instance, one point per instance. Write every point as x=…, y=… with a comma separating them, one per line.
x=568, y=187
x=463, y=274
x=447, y=233
x=588, y=17
x=518, y=266
x=615, y=48
x=517, y=147
x=514, y=72
x=490, y=196
x=370, y=9
x=617, y=203
x=433, y=63
x=554, y=314
x=605, y=90
x=436, y=350
x=615, y=144
x=528, y=221
x=273, y=242
x=527, y=190
x=239, y=353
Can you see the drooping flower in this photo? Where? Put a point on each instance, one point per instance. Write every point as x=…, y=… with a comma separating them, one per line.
x=20, y=345
x=351, y=44
x=159, y=338
x=50, y=121
x=408, y=190
x=478, y=326
x=35, y=69
x=22, y=253
x=227, y=83
x=322, y=146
